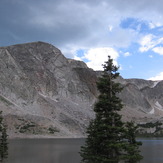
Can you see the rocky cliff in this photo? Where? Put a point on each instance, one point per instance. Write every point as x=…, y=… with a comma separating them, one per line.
x=44, y=94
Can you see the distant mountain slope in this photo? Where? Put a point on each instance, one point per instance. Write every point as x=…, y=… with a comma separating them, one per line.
x=44, y=94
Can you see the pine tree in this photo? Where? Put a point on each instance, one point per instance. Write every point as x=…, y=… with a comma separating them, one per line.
x=107, y=134
x=3, y=140
x=132, y=147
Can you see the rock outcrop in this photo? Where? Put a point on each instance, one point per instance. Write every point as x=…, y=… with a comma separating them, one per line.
x=44, y=94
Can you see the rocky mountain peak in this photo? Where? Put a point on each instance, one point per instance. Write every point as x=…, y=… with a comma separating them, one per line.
x=42, y=93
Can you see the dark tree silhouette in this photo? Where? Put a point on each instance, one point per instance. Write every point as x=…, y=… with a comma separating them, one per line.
x=109, y=139
x=3, y=140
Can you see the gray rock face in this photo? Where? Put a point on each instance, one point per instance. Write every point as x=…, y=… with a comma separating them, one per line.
x=44, y=94
x=39, y=86
x=142, y=100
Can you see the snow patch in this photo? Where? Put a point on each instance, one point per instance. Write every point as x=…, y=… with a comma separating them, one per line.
x=152, y=111
x=155, y=83
x=158, y=106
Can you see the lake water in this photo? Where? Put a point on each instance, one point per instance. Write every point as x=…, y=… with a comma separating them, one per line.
x=66, y=150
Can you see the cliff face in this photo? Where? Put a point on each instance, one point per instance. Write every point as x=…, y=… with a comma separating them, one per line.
x=42, y=93
x=142, y=100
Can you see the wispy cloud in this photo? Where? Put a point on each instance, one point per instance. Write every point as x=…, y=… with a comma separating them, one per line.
x=157, y=77
x=158, y=50
x=147, y=42
x=150, y=42
x=127, y=54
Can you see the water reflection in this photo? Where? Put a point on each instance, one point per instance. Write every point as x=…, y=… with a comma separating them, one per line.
x=152, y=150
x=45, y=151
x=67, y=150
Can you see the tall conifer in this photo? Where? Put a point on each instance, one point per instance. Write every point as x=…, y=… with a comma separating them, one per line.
x=3, y=140
x=107, y=140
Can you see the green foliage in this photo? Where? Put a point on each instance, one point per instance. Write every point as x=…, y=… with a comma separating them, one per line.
x=157, y=133
x=26, y=127
x=150, y=125
x=109, y=139
x=3, y=139
x=132, y=154
x=52, y=130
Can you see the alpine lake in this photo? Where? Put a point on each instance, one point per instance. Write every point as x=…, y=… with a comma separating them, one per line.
x=67, y=150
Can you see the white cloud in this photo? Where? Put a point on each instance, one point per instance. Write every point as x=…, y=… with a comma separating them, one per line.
x=150, y=56
x=97, y=56
x=154, y=25
x=157, y=77
x=151, y=25
x=149, y=42
x=110, y=28
x=158, y=50
x=127, y=54
x=77, y=58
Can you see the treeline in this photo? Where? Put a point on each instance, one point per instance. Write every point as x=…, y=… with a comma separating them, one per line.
x=143, y=129
x=3, y=139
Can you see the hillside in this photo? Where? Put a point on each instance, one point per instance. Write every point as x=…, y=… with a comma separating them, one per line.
x=45, y=94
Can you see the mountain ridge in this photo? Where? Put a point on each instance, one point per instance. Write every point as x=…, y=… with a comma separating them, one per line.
x=44, y=94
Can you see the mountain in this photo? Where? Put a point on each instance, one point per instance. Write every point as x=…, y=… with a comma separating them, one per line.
x=45, y=94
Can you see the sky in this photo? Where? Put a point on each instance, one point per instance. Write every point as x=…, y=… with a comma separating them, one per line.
x=130, y=31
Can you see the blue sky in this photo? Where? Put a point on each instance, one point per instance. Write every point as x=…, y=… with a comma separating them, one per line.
x=131, y=32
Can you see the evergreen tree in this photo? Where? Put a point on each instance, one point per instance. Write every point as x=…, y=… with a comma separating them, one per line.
x=3, y=140
x=107, y=134
x=132, y=147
